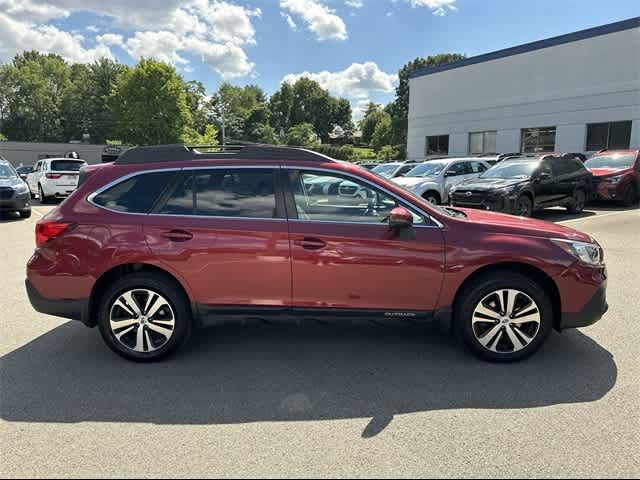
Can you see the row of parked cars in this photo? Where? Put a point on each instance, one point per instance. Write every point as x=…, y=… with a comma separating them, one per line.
x=51, y=178
x=521, y=184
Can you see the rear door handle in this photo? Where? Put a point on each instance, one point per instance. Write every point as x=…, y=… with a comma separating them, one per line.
x=311, y=243
x=178, y=235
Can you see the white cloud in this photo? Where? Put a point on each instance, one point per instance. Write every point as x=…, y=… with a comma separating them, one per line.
x=438, y=7
x=290, y=21
x=17, y=35
x=168, y=30
x=354, y=3
x=320, y=19
x=356, y=81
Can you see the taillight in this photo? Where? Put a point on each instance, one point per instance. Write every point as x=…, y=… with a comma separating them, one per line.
x=53, y=176
x=46, y=230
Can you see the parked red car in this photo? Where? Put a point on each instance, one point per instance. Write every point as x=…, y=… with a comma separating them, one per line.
x=616, y=175
x=166, y=239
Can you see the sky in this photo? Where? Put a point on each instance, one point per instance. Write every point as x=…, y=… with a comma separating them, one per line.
x=354, y=48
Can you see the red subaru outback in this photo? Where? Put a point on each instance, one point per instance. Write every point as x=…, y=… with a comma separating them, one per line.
x=616, y=175
x=167, y=239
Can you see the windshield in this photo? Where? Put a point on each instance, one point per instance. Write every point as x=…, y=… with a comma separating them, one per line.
x=430, y=169
x=6, y=171
x=511, y=170
x=611, y=161
x=385, y=170
x=67, y=165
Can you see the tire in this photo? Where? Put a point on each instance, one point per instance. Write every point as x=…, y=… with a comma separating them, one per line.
x=432, y=197
x=25, y=213
x=170, y=304
x=630, y=196
x=524, y=206
x=474, y=327
x=578, y=202
x=43, y=198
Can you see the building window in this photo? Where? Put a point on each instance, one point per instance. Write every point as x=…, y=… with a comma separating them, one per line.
x=611, y=136
x=482, y=142
x=437, y=145
x=536, y=140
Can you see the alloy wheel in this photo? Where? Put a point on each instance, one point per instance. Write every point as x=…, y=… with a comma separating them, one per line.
x=142, y=320
x=506, y=321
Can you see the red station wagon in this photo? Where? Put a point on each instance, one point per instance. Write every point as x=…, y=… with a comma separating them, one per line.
x=616, y=175
x=167, y=239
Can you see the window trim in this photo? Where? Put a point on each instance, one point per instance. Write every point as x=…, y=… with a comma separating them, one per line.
x=426, y=146
x=484, y=138
x=283, y=191
x=608, y=145
x=430, y=221
x=555, y=138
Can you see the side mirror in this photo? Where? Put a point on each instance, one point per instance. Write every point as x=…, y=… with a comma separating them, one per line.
x=543, y=177
x=400, y=218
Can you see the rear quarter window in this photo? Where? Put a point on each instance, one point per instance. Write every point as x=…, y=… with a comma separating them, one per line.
x=135, y=195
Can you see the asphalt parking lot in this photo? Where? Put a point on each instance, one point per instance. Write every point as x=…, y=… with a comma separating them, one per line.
x=322, y=401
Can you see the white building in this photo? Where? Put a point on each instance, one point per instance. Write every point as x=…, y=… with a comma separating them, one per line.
x=574, y=93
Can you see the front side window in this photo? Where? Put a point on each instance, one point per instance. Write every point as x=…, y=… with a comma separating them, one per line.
x=482, y=142
x=609, y=136
x=478, y=167
x=457, y=169
x=341, y=199
x=240, y=193
x=437, y=145
x=135, y=195
x=536, y=140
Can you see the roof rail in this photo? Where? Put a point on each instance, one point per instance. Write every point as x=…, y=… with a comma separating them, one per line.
x=180, y=153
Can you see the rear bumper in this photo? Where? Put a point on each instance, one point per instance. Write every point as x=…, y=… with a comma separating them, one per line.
x=593, y=311
x=70, y=309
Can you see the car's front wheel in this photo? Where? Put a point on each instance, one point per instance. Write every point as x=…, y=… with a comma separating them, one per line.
x=504, y=317
x=144, y=317
x=524, y=206
x=630, y=197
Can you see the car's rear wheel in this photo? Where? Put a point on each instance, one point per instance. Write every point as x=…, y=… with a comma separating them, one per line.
x=630, y=197
x=41, y=195
x=504, y=317
x=144, y=317
x=578, y=202
x=524, y=206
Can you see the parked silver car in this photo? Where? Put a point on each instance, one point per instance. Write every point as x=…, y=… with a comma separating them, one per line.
x=432, y=180
x=394, y=169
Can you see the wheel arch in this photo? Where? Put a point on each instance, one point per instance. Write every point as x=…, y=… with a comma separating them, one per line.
x=530, y=271
x=127, y=269
x=434, y=192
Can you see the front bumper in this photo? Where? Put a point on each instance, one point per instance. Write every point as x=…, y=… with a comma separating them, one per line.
x=593, y=311
x=70, y=309
x=492, y=203
x=15, y=204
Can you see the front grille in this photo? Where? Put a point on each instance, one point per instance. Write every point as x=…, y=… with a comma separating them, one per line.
x=469, y=197
x=6, y=193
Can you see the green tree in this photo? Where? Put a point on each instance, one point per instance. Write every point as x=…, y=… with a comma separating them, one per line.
x=150, y=104
x=104, y=77
x=388, y=153
x=3, y=138
x=33, y=86
x=191, y=136
x=383, y=133
x=302, y=135
x=76, y=111
x=266, y=134
x=373, y=115
x=243, y=110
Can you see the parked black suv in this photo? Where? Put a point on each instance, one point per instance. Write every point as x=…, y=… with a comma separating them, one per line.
x=525, y=184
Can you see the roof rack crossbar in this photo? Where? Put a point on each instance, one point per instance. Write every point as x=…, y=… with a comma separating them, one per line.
x=180, y=153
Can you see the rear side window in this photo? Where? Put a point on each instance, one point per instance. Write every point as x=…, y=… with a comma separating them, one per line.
x=66, y=166
x=240, y=193
x=135, y=195
x=567, y=166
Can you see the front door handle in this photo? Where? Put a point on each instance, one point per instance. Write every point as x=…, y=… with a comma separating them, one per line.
x=311, y=243
x=178, y=235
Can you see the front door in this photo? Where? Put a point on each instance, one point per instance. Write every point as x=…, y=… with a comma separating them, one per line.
x=345, y=256
x=225, y=231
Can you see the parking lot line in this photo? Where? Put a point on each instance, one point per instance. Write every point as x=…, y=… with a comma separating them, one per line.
x=37, y=212
x=595, y=217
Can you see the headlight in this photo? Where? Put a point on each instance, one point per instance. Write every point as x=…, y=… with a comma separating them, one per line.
x=589, y=253
x=614, y=180
x=22, y=189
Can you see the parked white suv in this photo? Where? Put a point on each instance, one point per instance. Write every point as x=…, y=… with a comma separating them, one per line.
x=432, y=180
x=54, y=178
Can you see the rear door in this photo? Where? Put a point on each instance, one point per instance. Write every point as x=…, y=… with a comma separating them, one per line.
x=34, y=177
x=545, y=189
x=225, y=231
x=346, y=258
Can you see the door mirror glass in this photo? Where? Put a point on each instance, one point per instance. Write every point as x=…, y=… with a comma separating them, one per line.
x=400, y=217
